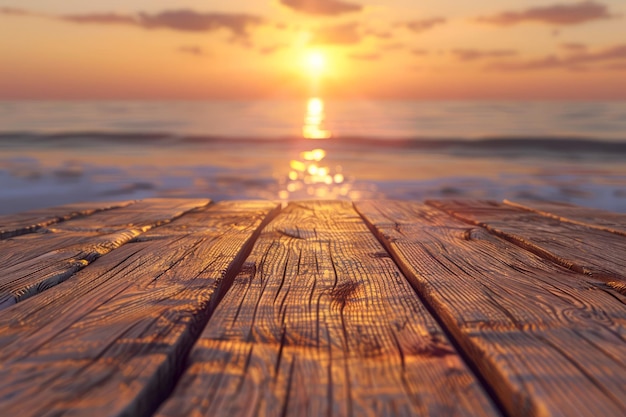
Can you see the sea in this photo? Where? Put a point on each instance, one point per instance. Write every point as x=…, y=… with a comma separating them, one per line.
x=60, y=152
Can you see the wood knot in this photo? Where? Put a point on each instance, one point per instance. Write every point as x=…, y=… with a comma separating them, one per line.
x=248, y=268
x=473, y=233
x=342, y=292
x=436, y=349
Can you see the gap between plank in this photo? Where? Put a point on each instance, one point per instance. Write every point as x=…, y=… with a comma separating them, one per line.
x=536, y=249
x=72, y=215
x=563, y=218
x=13, y=297
x=225, y=284
x=465, y=357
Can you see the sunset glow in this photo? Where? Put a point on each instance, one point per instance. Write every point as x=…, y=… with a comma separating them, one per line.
x=358, y=49
x=316, y=62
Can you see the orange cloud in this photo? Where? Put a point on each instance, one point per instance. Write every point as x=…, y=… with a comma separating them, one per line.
x=394, y=46
x=101, y=18
x=547, y=62
x=616, y=67
x=379, y=34
x=322, y=7
x=269, y=50
x=571, y=62
x=365, y=57
x=191, y=21
x=179, y=20
x=574, y=46
x=345, y=34
x=612, y=53
x=192, y=50
x=558, y=14
x=424, y=24
x=12, y=11
x=475, y=54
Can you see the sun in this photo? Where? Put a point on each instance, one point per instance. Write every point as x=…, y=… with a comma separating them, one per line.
x=315, y=62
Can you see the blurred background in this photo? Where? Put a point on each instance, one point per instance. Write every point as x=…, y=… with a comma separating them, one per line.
x=295, y=99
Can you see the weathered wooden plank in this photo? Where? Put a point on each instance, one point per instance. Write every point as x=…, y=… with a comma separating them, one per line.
x=31, y=221
x=598, y=219
x=321, y=322
x=111, y=340
x=32, y=263
x=549, y=341
x=582, y=249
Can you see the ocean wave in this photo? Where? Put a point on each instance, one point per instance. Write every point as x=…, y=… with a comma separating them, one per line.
x=558, y=144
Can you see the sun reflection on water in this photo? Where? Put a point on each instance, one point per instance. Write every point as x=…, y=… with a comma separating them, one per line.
x=310, y=176
x=314, y=121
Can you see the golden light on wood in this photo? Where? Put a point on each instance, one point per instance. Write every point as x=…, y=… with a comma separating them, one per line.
x=350, y=269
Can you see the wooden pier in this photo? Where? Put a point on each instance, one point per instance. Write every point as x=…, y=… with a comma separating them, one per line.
x=380, y=308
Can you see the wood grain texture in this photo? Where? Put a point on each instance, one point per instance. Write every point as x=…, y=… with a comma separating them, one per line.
x=551, y=342
x=586, y=250
x=31, y=221
x=111, y=340
x=584, y=216
x=32, y=263
x=321, y=322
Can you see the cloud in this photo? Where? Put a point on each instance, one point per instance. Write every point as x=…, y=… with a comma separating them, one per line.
x=101, y=18
x=365, y=57
x=322, y=7
x=617, y=52
x=420, y=52
x=393, y=46
x=345, y=34
x=12, y=11
x=269, y=50
x=616, y=67
x=557, y=14
x=475, y=54
x=379, y=34
x=574, y=46
x=191, y=21
x=576, y=61
x=423, y=25
x=549, y=61
x=179, y=20
x=192, y=50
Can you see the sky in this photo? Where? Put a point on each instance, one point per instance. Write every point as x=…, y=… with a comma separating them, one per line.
x=263, y=49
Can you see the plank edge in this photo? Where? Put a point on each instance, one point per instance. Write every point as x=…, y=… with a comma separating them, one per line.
x=465, y=353
x=564, y=219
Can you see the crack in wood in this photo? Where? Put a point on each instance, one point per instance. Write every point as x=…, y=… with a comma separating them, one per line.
x=541, y=298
